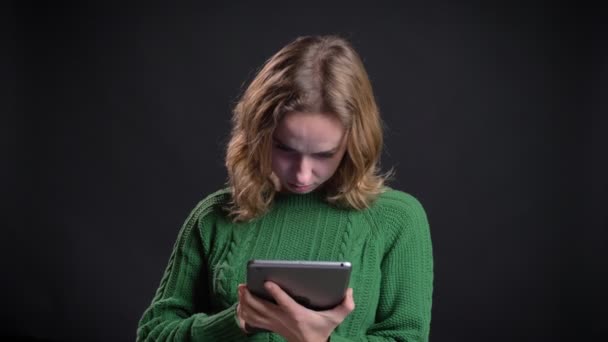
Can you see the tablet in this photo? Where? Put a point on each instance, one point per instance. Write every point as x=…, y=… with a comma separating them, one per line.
x=317, y=285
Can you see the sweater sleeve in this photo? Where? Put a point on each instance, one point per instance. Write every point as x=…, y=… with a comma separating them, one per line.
x=404, y=308
x=179, y=311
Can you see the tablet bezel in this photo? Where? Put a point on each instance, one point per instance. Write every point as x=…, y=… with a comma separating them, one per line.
x=317, y=285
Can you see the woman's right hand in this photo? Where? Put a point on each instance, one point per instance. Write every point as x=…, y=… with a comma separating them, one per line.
x=288, y=318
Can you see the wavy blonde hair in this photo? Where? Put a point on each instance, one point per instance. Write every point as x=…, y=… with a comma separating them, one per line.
x=311, y=74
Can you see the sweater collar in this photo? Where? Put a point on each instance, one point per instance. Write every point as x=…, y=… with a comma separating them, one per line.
x=292, y=199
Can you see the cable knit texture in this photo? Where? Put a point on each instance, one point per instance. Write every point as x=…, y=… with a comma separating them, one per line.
x=389, y=246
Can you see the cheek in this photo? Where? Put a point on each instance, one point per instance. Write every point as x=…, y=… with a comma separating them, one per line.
x=327, y=169
x=280, y=164
x=332, y=165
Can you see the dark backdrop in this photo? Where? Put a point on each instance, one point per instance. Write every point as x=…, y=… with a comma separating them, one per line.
x=118, y=116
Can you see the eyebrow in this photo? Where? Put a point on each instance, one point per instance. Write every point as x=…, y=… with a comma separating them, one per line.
x=282, y=144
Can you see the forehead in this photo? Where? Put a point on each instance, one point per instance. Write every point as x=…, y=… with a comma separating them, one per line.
x=310, y=132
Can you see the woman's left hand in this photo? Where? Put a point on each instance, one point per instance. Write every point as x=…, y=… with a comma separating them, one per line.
x=288, y=318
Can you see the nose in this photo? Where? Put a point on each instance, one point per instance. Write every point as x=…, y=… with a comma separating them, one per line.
x=303, y=171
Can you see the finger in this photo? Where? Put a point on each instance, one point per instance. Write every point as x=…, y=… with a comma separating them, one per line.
x=239, y=315
x=245, y=309
x=255, y=305
x=247, y=301
x=260, y=303
x=249, y=317
x=280, y=296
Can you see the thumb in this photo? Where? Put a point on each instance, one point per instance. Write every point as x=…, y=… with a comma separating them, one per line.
x=347, y=305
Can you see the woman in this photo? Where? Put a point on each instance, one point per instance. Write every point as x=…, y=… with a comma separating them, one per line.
x=304, y=184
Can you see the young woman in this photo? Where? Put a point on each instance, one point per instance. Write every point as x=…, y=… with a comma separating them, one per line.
x=303, y=184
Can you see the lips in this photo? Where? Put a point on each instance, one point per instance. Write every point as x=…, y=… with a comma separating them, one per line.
x=300, y=188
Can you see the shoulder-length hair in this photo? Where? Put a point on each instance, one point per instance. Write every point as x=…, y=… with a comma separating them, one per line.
x=311, y=74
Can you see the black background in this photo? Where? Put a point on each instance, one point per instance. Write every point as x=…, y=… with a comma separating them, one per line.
x=118, y=116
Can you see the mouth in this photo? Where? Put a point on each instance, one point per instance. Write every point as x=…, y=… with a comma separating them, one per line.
x=300, y=188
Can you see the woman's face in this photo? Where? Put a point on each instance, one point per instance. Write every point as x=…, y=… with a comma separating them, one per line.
x=306, y=150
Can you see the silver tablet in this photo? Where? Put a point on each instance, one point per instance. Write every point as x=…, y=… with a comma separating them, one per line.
x=317, y=285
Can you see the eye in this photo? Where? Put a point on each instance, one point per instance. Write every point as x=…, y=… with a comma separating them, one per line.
x=282, y=147
x=324, y=155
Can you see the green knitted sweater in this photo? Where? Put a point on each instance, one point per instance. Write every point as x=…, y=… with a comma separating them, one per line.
x=388, y=245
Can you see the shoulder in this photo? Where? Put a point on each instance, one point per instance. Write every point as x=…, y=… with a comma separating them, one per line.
x=397, y=200
x=397, y=203
x=214, y=200
x=204, y=216
x=212, y=204
x=396, y=212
